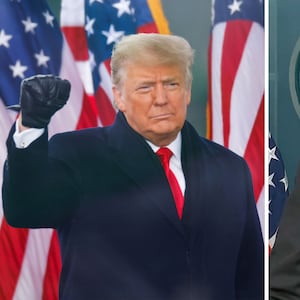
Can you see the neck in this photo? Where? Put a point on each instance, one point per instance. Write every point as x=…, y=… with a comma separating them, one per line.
x=162, y=141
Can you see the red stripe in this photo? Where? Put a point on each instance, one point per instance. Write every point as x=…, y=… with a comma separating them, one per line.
x=254, y=153
x=148, y=28
x=12, y=248
x=89, y=113
x=209, y=115
x=105, y=109
x=231, y=58
x=51, y=279
x=107, y=65
x=76, y=37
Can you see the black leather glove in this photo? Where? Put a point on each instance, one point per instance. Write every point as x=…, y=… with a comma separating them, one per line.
x=41, y=96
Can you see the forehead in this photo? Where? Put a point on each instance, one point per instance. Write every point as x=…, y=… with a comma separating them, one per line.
x=153, y=70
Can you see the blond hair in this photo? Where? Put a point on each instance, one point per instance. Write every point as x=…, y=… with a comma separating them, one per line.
x=151, y=49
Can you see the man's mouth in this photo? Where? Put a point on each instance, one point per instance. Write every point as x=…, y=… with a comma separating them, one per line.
x=161, y=116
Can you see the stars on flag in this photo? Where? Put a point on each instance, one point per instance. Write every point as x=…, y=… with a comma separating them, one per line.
x=92, y=60
x=283, y=179
x=123, y=7
x=235, y=6
x=285, y=182
x=278, y=188
x=18, y=69
x=89, y=25
x=99, y=1
x=28, y=29
x=42, y=59
x=272, y=153
x=271, y=183
x=112, y=35
x=4, y=39
x=49, y=18
x=29, y=25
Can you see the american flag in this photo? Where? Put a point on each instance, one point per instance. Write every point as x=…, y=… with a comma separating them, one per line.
x=92, y=28
x=31, y=42
x=236, y=84
x=278, y=189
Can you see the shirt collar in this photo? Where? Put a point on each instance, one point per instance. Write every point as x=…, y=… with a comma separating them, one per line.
x=175, y=146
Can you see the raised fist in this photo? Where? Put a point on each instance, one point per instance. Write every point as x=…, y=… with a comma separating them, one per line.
x=41, y=96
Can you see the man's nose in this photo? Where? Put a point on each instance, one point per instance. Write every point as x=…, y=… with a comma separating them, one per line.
x=160, y=94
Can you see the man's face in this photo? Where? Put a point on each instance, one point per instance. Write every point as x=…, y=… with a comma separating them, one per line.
x=154, y=100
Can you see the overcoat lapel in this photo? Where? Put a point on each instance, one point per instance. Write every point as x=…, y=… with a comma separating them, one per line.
x=135, y=157
x=198, y=190
x=203, y=171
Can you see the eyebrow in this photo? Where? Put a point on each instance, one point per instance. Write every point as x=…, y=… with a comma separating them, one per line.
x=164, y=80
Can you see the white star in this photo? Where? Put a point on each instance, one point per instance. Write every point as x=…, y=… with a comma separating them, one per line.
x=285, y=181
x=112, y=35
x=42, y=59
x=49, y=18
x=235, y=6
x=29, y=25
x=271, y=183
x=92, y=60
x=122, y=7
x=89, y=25
x=92, y=1
x=272, y=154
x=18, y=69
x=4, y=38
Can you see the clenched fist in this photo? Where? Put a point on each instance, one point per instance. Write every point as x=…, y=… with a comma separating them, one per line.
x=41, y=96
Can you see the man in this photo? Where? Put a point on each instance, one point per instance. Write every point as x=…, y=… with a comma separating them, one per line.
x=285, y=255
x=125, y=232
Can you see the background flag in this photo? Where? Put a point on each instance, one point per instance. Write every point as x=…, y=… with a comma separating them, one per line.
x=236, y=84
x=278, y=189
x=31, y=43
x=92, y=28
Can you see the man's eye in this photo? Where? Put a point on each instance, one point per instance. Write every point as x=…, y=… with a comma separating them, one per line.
x=144, y=88
x=172, y=85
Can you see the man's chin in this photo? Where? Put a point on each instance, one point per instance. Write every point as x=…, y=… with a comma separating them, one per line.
x=162, y=136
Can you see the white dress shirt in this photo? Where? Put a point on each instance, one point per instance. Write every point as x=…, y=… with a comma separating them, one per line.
x=25, y=138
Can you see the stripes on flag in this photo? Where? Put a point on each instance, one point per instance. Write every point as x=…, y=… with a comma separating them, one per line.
x=29, y=258
x=236, y=85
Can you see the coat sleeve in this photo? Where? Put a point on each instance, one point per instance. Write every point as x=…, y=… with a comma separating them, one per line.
x=38, y=191
x=250, y=267
x=285, y=255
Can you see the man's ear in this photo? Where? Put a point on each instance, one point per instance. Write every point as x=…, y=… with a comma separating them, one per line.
x=119, y=102
x=188, y=96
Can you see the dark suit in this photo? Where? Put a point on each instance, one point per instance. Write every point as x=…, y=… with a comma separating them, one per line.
x=107, y=195
x=285, y=255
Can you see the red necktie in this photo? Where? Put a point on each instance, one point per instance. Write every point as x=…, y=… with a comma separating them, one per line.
x=164, y=155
